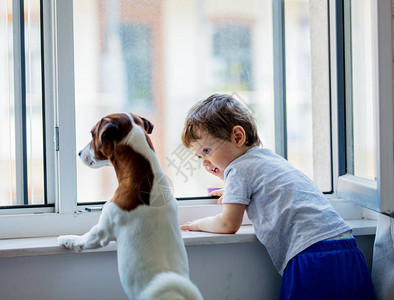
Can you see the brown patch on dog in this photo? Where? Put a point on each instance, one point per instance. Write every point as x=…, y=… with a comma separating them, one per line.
x=135, y=178
x=133, y=170
x=107, y=132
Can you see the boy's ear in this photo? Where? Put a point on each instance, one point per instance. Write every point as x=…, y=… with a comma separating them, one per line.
x=239, y=135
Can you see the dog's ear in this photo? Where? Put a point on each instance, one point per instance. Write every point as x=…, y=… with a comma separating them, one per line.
x=147, y=125
x=108, y=133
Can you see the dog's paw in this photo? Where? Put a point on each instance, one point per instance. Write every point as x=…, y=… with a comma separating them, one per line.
x=71, y=242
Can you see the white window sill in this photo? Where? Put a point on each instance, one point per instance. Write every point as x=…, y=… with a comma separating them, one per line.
x=44, y=224
x=48, y=246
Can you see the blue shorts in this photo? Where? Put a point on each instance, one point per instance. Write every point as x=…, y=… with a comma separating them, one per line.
x=334, y=269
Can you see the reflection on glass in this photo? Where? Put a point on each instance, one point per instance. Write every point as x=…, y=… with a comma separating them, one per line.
x=363, y=70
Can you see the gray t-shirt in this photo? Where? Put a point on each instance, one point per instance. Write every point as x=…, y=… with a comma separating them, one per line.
x=288, y=211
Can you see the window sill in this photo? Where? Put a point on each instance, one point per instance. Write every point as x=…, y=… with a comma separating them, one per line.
x=48, y=246
x=46, y=224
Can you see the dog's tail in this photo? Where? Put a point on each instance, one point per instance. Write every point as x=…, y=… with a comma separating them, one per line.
x=170, y=286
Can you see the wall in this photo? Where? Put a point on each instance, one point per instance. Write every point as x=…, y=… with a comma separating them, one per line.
x=231, y=271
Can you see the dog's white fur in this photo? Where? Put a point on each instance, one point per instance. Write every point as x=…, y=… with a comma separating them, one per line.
x=152, y=261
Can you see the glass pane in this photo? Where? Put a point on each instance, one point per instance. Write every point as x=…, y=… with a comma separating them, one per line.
x=34, y=110
x=7, y=119
x=307, y=89
x=363, y=72
x=27, y=164
x=157, y=58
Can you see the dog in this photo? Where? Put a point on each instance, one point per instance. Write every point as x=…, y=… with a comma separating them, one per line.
x=141, y=216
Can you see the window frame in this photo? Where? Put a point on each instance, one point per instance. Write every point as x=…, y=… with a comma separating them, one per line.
x=68, y=217
x=371, y=194
x=20, y=103
x=278, y=24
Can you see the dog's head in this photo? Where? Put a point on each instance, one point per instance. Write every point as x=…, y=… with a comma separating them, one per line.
x=111, y=131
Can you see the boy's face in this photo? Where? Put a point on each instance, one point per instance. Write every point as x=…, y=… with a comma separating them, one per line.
x=216, y=154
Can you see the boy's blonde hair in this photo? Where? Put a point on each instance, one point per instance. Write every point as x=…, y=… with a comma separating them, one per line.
x=217, y=115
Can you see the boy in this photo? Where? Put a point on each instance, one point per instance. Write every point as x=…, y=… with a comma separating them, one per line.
x=309, y=243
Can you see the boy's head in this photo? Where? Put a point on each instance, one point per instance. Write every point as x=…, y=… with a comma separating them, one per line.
x=217, y=115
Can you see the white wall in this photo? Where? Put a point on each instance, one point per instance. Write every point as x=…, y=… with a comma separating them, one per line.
x=230, y=271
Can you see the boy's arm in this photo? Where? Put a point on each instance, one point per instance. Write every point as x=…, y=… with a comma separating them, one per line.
x=229, y=221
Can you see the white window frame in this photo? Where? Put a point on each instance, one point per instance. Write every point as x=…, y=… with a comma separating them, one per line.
x=60, y=127
x=372, y=194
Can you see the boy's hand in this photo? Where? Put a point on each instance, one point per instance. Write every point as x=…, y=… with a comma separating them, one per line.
x=217, y=193
x=228, y=221
x=192, y=226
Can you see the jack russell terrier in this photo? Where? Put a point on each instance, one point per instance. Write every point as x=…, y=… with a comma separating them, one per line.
x=142, y=215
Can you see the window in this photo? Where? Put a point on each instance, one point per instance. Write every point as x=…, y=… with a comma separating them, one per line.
x=309, y=70
x=365, y=104
x=307, y=90
x=157, y=58
x=360, y=70
x=22, y=180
